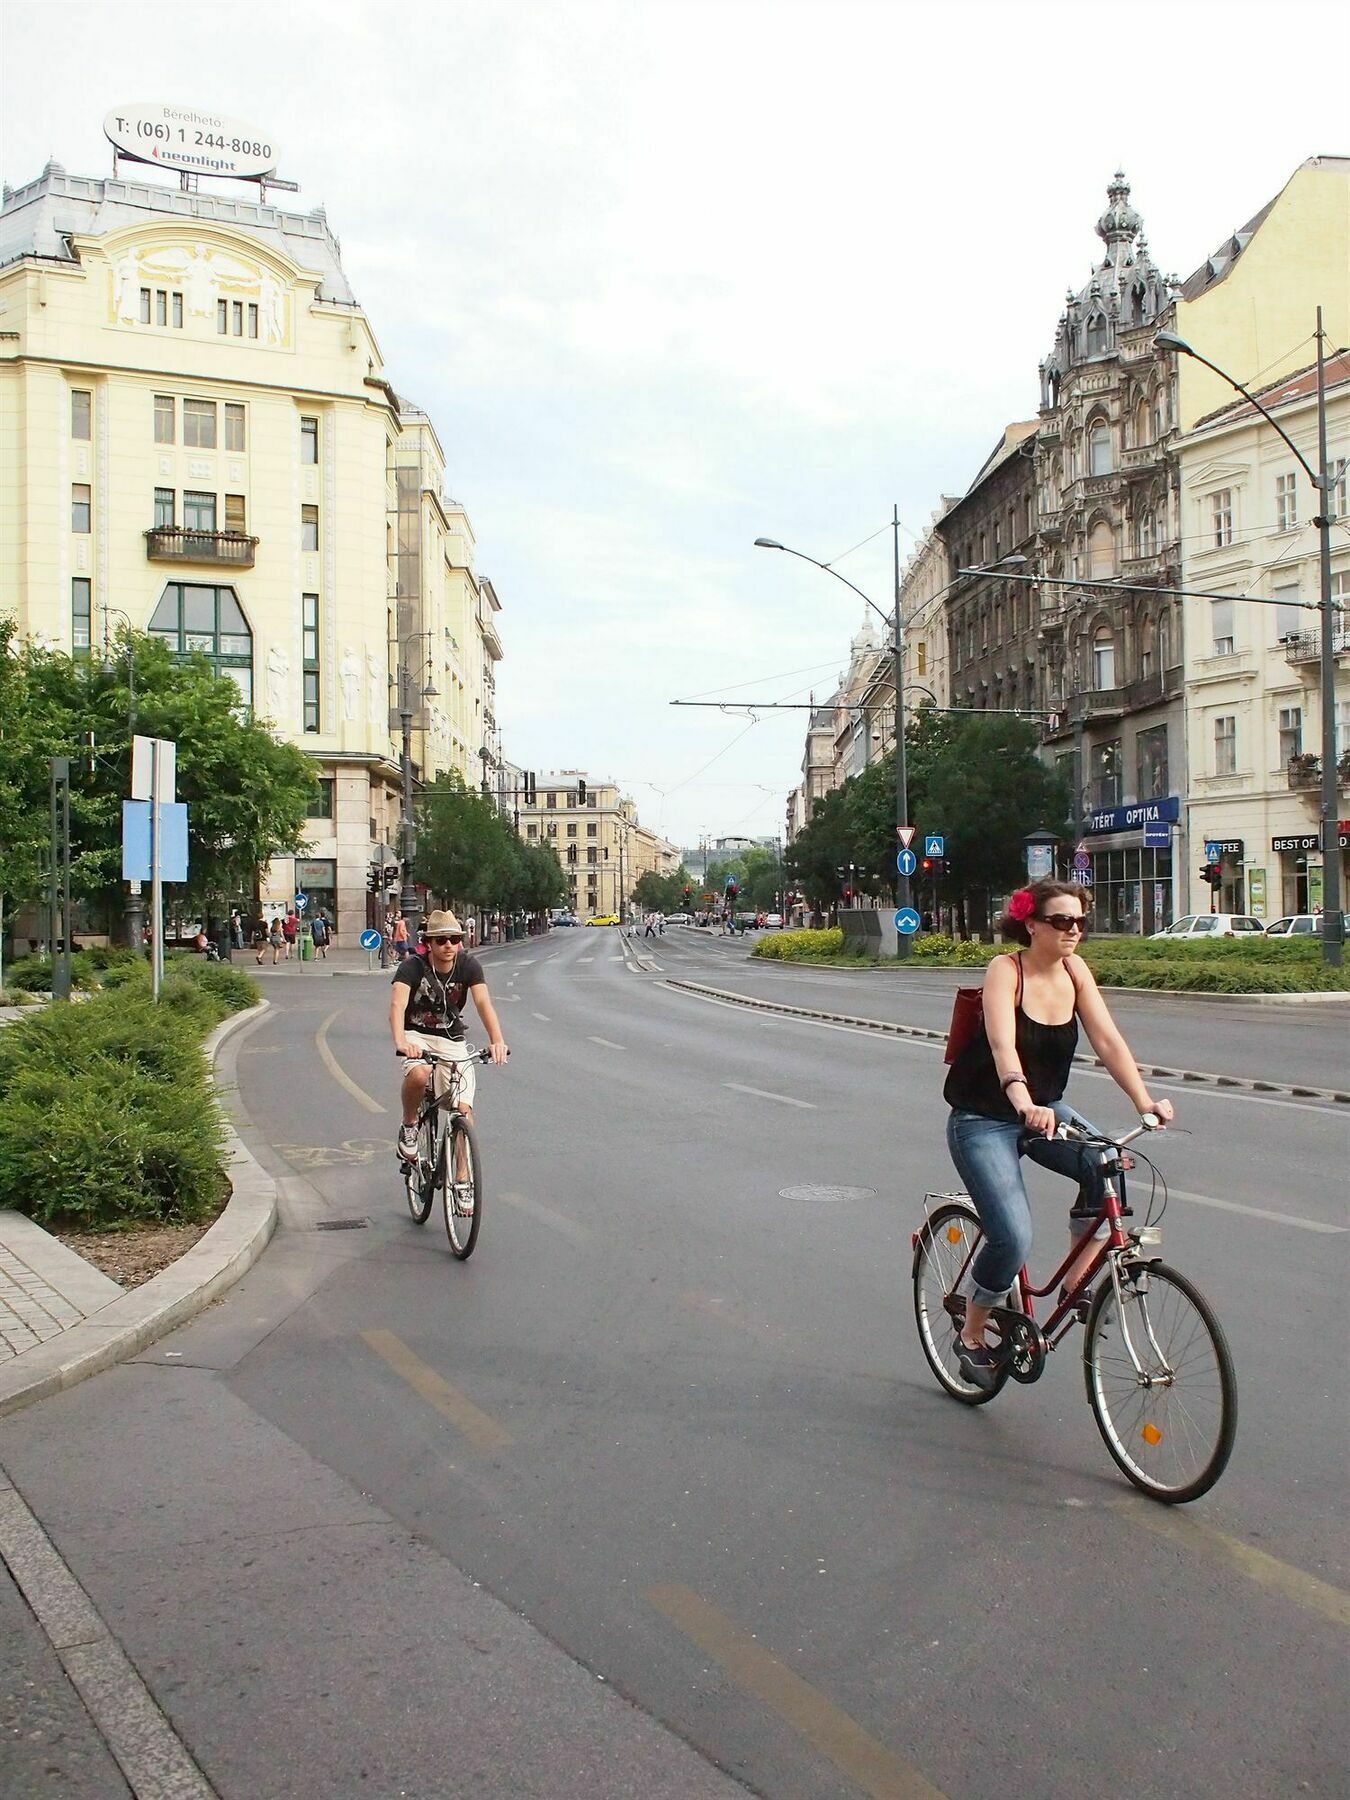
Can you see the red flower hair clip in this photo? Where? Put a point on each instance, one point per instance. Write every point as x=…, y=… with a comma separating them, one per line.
x=1021, y=905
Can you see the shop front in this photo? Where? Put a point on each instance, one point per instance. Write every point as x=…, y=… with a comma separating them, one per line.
x=316, y=878
x=1297, y=858
x=1132, y=867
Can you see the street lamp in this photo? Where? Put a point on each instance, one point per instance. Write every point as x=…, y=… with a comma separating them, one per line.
x=133, y=911
x=407, y=829
x=1333, y=921
x=902, y=892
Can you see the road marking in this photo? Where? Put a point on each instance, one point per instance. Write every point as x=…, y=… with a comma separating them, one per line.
x=527, y=962
x=555, y=1221
x=761, y=1094
x=608, y=1043
x=339, y=1074
x=1267, y=1571
x=482, y=1431
x=866, y=1762
x=543, y=1017
x=1256, y=1212
x=585, y=959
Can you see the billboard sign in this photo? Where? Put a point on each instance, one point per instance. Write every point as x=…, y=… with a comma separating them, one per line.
x=197, y=143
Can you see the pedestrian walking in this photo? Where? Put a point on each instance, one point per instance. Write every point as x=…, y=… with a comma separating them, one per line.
x=260, y=937
x=290, y=930
x=276, y=937
x=318, y=931
x=401, y=944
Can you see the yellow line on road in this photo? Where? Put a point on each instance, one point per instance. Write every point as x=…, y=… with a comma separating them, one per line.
x=339, y=1074
x=482, y=1431
x=867, y=1763
x=1267, y=1571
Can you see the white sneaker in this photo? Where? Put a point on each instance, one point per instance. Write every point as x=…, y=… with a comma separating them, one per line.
x=407, y=1142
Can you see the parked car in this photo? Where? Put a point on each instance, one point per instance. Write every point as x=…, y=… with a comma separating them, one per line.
x=774, y=919
x=566, y=919
x=677, y=918
x=1296, y=925
x=604, y=919
x=1198, y=925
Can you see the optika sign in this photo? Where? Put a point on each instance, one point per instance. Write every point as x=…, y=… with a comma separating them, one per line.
x=197, y=143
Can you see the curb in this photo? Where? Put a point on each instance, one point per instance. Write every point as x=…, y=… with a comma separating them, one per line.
x=126, y=1326
x=889, y=1028
x=1309, y=997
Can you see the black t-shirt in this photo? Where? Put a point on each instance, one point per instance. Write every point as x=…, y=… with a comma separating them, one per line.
x=436, y=1003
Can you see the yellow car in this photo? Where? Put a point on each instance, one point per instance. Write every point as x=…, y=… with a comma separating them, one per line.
x=604, y=919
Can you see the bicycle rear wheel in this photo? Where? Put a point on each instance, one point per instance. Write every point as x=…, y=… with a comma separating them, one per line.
x=941, y=1252
x=462, y=1189
x=1170, y=1430
x=420, y=1176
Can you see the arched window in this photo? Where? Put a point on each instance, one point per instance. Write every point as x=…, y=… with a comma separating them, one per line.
x=1100, y=459
x=1096, y=335
x=1144, y=534
x=1165, y=642
x=1103, y=658
x=1147, y=647
x=1141, y=436
x=193, y=618
x=1101, y=550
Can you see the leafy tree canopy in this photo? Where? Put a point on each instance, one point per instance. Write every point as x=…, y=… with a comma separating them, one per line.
x=467, y=852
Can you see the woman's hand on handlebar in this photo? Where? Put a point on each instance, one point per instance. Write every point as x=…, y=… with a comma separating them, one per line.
x=1162, y=1110
x=1039, y=1121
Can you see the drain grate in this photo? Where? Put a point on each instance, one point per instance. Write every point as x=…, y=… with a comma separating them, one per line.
x=831, y=1194
x=342, y=1224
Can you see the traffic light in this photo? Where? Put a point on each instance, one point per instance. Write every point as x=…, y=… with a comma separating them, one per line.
x=848, y=893
x=1212, y=874
x=374, y=878
x=581, y=791
x=927, y=865
x=686, y=892
x=731, y=887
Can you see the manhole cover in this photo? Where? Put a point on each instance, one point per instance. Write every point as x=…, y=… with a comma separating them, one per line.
x=827, y=1193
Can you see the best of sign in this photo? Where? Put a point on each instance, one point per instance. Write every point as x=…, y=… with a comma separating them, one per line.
x=198, y=143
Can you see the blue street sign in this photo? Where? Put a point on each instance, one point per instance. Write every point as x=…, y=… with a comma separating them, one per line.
x=173, y=841
x=370, y=940
x=1212, y=851
x=1082, y=877
x=906, y=861
x=907, y=920
x=1158, y=835
x=301, y=902
x=933, y=845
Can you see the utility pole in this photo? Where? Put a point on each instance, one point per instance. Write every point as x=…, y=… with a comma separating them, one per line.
x=59, y=877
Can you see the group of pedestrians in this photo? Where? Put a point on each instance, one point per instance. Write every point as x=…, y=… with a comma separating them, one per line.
x=282, y=935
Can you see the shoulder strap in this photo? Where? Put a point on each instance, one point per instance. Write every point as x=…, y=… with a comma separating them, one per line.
x=1017, y=959
x=1077, y=990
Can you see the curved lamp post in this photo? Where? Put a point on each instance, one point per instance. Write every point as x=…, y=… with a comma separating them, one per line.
x=1333, y=921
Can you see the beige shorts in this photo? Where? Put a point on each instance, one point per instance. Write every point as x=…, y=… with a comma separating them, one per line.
x=451, y=1050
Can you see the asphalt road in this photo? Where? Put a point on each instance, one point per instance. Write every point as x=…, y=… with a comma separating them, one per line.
x=380, y=1522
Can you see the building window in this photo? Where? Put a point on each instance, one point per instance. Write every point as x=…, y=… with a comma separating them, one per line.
x=592, y=830
x=1143, y=536
x=551, y=829
x=571, y=831
x=309, y=632
x=1103, y=660
x=309, y=440
x=253, y=319
x=222, y=316
x=235, y=513
x=164, y=513
x=81, y=607
x=571, y=853
x=1221, y=626
x=234, y=426
x=199, y=424
x=161, y=306
x=1288, y=613
x=1286, y=503
x=237, y=318
x=79, y=506
x=81, y=413
x=592, y=854
x=322, y=806
x=1150, y=748
x=592, y=798
x=1146, y=643
x=1096, y=336
x=164, y=405
x=551, y=799
x=199, y=511
x=1291, y=733
x=1099, y=448
x=1104, y=764
x=177, y=303
x=1101, y=550
x=1339, y=473
x=145, y=306
x=1221, y=513
x=309, y=527
x=532, y=831
x=1225, y=745
x=208, y=621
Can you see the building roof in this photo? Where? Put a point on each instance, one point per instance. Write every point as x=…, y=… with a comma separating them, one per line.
x=1013, y=437
x=1219, y=266
x=40, y=218
x=1295, y=386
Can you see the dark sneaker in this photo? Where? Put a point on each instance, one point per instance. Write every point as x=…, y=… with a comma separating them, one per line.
x=407, y=1142
x=978, y=1363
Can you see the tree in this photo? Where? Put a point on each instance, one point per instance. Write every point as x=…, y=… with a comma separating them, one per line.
x=467, y=852
x=663, y=893
x=821, y=848
x=248, y=792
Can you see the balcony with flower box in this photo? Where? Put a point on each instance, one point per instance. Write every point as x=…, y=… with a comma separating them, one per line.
x=187, y=544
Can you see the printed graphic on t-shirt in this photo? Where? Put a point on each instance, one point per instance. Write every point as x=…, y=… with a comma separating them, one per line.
x=436, y=1003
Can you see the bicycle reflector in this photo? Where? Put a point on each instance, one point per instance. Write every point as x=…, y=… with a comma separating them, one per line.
x=1151, y=1435
x=953, y=1234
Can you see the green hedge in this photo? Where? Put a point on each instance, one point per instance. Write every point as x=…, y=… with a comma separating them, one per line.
x=800, y=946
x=107, y=1116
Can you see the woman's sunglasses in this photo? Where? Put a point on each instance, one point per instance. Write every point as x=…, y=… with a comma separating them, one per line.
x=445, y=939
x=1063, y=921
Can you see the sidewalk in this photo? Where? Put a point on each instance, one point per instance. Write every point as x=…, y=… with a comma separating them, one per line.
x=44, y=1287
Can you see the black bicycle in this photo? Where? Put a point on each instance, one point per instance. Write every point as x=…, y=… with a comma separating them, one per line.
x=447, y=1155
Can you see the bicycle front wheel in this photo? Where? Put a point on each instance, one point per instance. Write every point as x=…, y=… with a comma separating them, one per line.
x=1169, y=1424
x=420, y=1176
x=462, y=1189
x=942, y=1251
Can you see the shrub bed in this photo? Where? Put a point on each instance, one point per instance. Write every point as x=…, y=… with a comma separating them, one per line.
x=801, y=946
x=107, y=1118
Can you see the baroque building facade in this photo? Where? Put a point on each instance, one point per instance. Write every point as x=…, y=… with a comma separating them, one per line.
x=993, y=639
x=198, y=440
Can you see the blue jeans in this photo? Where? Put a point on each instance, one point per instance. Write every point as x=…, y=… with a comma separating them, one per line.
x=988, y=1161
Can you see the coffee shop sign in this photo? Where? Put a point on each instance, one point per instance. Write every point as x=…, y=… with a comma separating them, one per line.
x=1134, y=818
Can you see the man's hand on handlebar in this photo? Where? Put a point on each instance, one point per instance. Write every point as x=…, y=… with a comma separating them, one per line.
x=496, y=1053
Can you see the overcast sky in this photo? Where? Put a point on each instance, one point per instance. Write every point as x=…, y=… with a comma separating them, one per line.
x=673, y=274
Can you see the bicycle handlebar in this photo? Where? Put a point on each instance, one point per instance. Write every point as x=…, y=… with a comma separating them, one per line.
x=482, y=1056
x=1073, y=1134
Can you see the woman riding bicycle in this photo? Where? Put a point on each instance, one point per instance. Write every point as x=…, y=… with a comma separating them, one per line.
x=1006, y=1092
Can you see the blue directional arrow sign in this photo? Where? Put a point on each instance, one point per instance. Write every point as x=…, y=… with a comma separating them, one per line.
x=932, y=845
x=370, y=940
x=907, y=920
x=906, y=861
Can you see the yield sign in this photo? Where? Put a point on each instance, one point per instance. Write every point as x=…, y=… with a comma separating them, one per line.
x=905, y=833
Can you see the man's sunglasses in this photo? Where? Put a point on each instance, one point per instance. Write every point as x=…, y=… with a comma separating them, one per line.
x=445, y=939
x=1063, y=921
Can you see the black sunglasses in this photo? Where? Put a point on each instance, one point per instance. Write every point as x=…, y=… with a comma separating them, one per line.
x=446, y=939
x=1063, y=921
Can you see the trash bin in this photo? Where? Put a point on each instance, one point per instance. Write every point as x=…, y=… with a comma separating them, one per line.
x=306, y=946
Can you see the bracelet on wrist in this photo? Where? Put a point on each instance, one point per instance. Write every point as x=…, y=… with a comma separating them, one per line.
x=1012, y=1080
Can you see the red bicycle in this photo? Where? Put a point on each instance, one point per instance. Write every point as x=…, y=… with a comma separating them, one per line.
x=1159, y=1374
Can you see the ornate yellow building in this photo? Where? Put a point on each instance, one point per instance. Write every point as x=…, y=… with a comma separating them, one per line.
x=197, y=438
x=594, y=832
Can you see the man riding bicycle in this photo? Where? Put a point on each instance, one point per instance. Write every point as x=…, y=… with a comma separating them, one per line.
x=426, y=1019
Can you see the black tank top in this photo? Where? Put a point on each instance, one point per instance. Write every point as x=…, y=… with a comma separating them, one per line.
x=1046, y=1055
